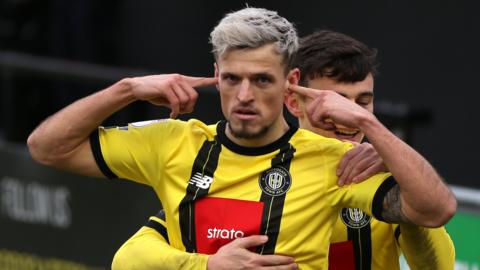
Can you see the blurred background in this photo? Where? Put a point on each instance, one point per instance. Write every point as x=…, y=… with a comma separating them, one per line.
x=53, y=52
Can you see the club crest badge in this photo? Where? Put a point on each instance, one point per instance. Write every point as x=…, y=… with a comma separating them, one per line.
x=354, y=218
x=275, y=181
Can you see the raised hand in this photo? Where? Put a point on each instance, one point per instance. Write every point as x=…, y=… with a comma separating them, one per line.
x=171, y=90
x=328, y=108
x=237, y=256
x=358, y=164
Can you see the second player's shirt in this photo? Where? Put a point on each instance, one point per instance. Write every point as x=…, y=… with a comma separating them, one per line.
x=361, y=242
x=214, y=190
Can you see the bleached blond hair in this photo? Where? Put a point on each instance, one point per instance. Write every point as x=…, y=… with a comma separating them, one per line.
x=251, y=28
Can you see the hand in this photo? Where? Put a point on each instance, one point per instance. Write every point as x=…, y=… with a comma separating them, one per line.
x=328, y=108
x=172, y=90
x=236, y=256
x=358, y=164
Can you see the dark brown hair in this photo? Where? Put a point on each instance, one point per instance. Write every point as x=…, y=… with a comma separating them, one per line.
x=335, y=55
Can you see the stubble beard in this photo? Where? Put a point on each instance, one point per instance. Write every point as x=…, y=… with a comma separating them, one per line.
x=243, y=133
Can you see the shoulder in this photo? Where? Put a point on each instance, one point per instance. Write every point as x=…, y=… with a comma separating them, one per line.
x=172, y=127
x=306, y=141
x=198, y=127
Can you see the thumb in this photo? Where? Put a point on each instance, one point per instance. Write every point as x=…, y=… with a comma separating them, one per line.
x=250, y=241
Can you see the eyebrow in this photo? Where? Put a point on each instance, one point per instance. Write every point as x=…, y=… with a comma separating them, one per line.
x=227, y=74
x=362, y=94
x=251, y=76
x=262, y=74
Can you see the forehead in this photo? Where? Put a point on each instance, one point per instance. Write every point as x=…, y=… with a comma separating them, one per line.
x=264, y=59
x=347, y=89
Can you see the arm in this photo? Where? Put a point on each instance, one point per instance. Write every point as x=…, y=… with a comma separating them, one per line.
x=421, y=197
x=62, y=141
x=422, y=247
x=149, y=249
x=426, y=248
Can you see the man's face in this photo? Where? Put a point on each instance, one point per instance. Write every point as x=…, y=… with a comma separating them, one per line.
x=252, y=84
x=359, y=92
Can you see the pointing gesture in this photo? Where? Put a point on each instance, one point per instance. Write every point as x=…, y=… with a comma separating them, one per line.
x=328, y=108
x=304, y=91
x=171, y=90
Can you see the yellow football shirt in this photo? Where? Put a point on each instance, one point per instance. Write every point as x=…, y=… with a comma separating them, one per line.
x=214, y=190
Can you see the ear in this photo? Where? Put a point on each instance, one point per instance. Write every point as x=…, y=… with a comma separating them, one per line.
x=293, y=105
x=215, y=66
x=293, y=76
x=292, y=102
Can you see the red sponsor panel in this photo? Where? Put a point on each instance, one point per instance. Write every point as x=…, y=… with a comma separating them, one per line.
x=219, y=221
x=341, y=256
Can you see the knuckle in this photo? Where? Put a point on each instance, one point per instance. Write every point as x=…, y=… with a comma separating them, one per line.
x=356, y=171
x=369, y=147
x=251, y=263
x=174, y=79
x=362, y=148
x=184, y=99
x=174, y=102
x=349, y=154
x=194, y=95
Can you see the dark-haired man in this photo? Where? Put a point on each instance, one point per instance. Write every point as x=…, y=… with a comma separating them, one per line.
x=334, y=61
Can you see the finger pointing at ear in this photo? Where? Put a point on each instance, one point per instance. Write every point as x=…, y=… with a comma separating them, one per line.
x=304, y=91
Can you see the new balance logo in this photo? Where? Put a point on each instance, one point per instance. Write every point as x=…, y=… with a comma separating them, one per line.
x=201, y=181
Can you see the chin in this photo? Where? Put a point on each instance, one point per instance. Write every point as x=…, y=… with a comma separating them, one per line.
x=247, y=132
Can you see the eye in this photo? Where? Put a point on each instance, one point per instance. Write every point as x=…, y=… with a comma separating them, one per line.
x=364, y=101
x=230, y=78
x=263, y=80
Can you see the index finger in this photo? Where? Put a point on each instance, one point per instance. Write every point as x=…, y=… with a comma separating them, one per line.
x=304, y=91
x=250, y=241
x=200, y=81
x=274, y=260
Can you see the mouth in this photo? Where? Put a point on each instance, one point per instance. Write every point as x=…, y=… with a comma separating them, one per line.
x=346, y=134
x=245, y=113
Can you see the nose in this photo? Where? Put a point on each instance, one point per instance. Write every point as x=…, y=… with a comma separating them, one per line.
x=245, y=93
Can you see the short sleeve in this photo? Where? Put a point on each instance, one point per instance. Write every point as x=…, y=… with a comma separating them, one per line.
x=134, y=152
x=367, y=195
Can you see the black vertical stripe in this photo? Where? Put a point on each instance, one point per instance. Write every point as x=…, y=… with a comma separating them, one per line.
x=205, y=164
x=362, y=246
x=273, y=205
x=397, y=233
